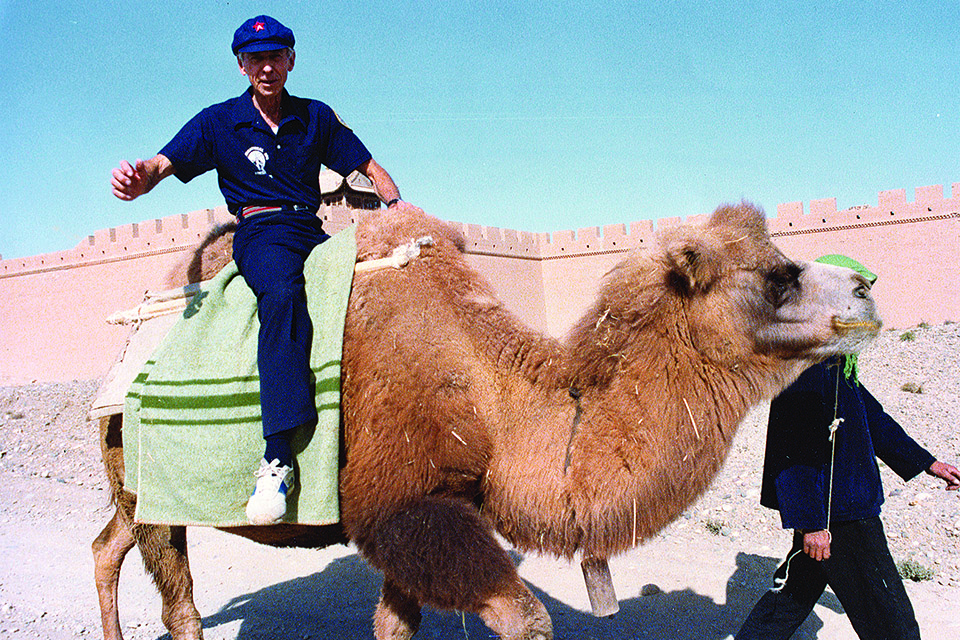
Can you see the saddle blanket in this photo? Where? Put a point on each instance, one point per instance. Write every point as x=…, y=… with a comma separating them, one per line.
x=192, y=432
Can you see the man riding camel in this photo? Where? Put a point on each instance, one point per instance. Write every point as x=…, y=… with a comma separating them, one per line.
x=267, y=147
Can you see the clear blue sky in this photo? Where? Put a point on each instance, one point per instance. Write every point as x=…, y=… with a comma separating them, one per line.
x=536, y=116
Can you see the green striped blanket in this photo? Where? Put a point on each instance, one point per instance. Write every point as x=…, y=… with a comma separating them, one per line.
x=192, y=433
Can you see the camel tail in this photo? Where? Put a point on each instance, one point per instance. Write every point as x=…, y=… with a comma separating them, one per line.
x=111, y=450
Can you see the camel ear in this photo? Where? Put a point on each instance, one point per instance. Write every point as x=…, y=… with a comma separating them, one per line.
x=694, y=264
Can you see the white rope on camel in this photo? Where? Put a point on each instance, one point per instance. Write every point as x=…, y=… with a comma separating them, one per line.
x=156, y=303
x=400, y=257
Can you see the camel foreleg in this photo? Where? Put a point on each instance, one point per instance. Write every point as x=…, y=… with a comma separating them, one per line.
x=438, y=551
x=516, y=614
x=398, y=614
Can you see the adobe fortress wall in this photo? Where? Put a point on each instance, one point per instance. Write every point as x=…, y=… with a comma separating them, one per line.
x=53, y=325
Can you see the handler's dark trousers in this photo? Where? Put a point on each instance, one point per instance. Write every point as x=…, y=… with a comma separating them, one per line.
x=270, y=250
x=862, y=575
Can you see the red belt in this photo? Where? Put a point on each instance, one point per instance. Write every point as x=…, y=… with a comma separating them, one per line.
x=253, y=210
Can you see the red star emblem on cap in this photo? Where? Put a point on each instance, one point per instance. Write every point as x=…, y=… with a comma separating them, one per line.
x=259, y=26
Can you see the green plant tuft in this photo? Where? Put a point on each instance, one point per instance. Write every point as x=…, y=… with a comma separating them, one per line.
x=910, y=569
x=714, y=526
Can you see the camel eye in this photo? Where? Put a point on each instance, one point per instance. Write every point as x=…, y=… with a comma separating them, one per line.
x=781, y=283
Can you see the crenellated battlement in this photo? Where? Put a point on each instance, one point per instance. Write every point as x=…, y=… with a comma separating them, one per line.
x=892, y=207
x=494, y=241
x=128, y=242
x=181, y=232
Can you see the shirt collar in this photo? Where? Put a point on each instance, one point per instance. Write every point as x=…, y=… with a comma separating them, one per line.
x=246, y=114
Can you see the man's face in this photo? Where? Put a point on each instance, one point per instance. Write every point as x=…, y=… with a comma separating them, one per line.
x=267, y=70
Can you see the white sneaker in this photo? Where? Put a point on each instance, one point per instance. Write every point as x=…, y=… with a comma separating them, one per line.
x=268, y=504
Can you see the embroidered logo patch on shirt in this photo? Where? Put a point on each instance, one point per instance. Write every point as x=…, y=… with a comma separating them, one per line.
x=340, y=120
x=259, y=158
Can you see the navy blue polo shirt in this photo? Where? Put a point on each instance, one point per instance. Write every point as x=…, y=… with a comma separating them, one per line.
x=256, y=166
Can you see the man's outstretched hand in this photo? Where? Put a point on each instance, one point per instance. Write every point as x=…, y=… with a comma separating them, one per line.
x=132, y=181
x=129, y=181
x=947, y=472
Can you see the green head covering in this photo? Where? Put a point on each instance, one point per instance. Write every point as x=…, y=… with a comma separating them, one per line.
x=849, y=359
x=843, y=261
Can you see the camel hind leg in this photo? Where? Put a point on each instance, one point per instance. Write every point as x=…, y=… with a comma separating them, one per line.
x=109, y=550
x=163, y=549
x=439, y=551
x=164, y=552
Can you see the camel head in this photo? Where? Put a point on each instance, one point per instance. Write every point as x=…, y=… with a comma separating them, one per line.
x=722, y=295
x=742, y=297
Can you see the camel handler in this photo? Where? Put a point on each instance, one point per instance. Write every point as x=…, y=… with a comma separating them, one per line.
x=267, y=147
x=820, y=472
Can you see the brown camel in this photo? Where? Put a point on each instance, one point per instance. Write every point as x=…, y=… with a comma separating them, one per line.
x=459, y=421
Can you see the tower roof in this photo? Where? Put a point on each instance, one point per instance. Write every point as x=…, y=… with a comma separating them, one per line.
x=331, y=182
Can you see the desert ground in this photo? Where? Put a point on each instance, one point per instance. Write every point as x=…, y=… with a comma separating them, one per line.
x=696, y=580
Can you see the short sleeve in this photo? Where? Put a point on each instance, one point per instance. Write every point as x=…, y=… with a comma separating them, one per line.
x=191, y=150
x=344, y=151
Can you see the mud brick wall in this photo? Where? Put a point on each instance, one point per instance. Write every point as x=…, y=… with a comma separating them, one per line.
x=54, y=305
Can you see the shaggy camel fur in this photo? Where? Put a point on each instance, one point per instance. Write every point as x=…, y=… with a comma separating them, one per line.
x=459, y=421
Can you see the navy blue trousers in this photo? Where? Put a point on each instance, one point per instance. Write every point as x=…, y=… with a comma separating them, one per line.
x=270, y=250
x=862, y=575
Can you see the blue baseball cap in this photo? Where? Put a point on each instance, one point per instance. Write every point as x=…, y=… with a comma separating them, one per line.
x=262, y=33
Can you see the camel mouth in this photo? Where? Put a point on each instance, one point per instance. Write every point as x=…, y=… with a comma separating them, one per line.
x=846, y=327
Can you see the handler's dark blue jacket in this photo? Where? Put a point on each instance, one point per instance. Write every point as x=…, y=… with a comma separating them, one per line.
x=796, y=468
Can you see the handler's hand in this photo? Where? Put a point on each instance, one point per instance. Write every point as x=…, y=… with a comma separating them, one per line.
x=129, y=182
x=405, y=207
x=949, y=473
x=816, y=544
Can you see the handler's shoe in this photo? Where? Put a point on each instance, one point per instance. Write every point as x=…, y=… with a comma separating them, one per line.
x=268, y=504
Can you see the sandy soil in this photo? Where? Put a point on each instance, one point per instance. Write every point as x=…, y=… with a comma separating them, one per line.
x=697, y=580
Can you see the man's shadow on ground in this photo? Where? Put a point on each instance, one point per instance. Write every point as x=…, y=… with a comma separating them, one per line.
x=339, y=602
